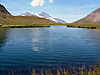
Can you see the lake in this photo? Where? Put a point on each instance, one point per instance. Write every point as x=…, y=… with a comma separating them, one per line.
x=50, y=48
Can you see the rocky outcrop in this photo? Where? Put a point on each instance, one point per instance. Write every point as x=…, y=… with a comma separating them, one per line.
x=3, y=10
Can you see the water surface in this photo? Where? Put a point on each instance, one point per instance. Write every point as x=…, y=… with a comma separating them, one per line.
x=48, y=48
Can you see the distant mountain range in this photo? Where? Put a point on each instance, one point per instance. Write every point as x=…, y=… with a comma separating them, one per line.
x=43, y=15
x=7, y=19
x=93, y=17
x=42, y=18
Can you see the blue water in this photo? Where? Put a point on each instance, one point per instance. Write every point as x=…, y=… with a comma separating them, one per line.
x=51, y=48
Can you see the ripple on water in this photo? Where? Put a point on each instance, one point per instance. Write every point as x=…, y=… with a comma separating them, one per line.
x=47, y=48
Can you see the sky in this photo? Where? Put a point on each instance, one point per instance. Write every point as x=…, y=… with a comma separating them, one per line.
x=67, y=10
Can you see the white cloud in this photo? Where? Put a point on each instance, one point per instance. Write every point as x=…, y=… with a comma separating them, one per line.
x=42, y=2
x=39, y=2
x=51, y=1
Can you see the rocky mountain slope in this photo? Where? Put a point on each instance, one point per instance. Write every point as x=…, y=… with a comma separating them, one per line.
x=93, y=17
x=3, y=10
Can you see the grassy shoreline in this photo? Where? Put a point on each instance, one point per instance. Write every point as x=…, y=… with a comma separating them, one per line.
x=84, y=25
x=22, y=26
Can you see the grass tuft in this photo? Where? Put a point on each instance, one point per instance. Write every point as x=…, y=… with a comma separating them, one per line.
x=93, y=70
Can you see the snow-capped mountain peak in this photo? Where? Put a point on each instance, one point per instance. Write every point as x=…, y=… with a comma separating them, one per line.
x=43, y=15
x=31, y=14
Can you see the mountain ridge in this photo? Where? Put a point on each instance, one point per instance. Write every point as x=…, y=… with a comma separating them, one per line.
x=43, y=15
x=3, y=10
x=93, y=17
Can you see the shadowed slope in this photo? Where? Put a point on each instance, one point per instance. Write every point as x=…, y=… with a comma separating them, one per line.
x=3, y=10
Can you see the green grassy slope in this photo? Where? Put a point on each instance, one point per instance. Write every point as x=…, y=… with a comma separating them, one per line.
x=23, y=20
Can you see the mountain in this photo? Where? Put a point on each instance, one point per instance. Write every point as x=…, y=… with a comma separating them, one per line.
x=93, y=17
x=3, y=10
x=7, y=19
x=30, y=14
x=44, y=15
x=47, y=16
x=59, y=20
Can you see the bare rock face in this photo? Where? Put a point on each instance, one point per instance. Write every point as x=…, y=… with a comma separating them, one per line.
x=93, y=17
x=3, y=10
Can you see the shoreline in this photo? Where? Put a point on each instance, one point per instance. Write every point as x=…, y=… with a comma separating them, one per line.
x=89, y=26
x=22, y=26
x=84, y=25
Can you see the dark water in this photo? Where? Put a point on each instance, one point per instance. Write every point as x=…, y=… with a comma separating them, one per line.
x=24, y=49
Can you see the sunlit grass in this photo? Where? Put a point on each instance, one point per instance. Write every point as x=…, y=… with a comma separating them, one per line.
x=92, y=70
x=24, y=20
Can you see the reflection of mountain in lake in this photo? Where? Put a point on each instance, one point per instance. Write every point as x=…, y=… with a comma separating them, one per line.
x=2, y=36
